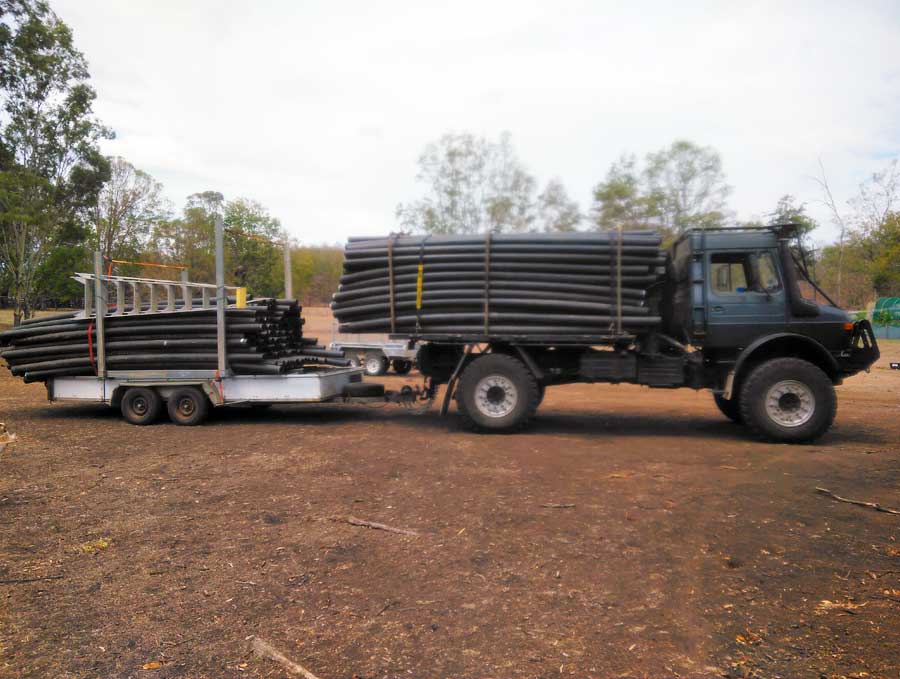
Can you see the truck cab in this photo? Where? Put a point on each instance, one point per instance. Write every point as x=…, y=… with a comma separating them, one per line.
x=736, y=295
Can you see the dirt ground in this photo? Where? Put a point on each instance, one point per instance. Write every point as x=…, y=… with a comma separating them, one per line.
x=628, y=533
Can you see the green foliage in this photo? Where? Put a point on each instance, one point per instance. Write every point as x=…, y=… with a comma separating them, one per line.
x=474, y=185
x=256, y=264
x=128, y=206
x=556, y=211
x=622, y=200
x=50, y=167
x=317, y=272
x=253, y=250
x=680, y=187
x=789, y=211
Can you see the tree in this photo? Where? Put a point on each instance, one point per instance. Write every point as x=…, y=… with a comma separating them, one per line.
x=680, y=187
x=556, y=211
x=866, y=231
x=50, y=167
x=689, y=184
x=253, y=245
x=878, y=198
x=128, y=206
x=622, y=200
x=789, y=211
x=473, y=185
x=253, y=254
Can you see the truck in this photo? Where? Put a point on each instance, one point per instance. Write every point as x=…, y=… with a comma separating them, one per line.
x=733, y=321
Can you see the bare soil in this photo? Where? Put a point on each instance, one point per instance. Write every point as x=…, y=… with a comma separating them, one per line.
x=628, y=533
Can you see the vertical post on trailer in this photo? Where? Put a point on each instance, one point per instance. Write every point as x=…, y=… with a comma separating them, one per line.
x=186, y=292
x=220, y=296
x=288, y=273
x=100, y=306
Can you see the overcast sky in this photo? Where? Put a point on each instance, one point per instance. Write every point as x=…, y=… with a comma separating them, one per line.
x=320, y=109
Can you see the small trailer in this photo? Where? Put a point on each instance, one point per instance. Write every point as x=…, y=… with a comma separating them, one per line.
x=377, y=357
x=188, y=394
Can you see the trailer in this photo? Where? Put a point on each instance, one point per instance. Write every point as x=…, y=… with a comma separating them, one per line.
x=188, y=394
x=376, y=358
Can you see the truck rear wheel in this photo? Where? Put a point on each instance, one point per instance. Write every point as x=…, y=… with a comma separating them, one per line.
x=376, y=364
x=141, y=405
x=497, y=393
x=730, y=407
x=788, y=400
x=188, y=407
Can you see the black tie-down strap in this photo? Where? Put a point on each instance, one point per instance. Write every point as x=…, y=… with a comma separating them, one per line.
x=487, y=284
x=390, y=252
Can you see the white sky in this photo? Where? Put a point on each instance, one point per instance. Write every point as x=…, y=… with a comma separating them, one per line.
x=320, y=109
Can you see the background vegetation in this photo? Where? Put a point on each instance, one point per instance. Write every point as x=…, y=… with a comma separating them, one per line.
x=61, y=199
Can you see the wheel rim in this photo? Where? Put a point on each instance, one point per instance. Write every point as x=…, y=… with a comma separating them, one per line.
x=790, y=403
x=496, y=396
x=186, y=406
x=373, y=365
x=140, y=405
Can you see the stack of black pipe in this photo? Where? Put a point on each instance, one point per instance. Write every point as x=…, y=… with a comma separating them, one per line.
x=591, y=284
x=265, y=338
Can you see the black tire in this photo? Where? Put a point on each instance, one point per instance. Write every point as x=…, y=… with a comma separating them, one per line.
x=364, y=389
x=376, y=364
x=731, y=408
x=788, y=400
x=541, y=391
x=498, y=383
x=400, y=366
x=141, y=405
x=188, y=407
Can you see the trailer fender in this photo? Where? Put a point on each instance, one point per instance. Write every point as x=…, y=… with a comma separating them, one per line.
x=776, y=346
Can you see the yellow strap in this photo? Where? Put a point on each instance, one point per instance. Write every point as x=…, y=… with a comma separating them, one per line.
x=241, y=300
x=419, y=287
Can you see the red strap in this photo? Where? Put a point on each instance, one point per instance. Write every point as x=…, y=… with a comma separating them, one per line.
x=90, y=334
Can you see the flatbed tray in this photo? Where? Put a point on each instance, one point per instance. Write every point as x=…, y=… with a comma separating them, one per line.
x=524, y=339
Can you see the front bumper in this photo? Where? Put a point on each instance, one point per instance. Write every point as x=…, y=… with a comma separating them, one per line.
x=863, y=351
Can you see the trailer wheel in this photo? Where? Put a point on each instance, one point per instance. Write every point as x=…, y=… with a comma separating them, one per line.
x=497, y=393
x=188, y=407
x=788, y=400
x=376, y=364
x=141, y=405
x=400, y=366
x=730, y=408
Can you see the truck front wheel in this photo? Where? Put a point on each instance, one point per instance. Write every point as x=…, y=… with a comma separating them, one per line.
x=730, y=407
x=497, y=393
x=788, y=400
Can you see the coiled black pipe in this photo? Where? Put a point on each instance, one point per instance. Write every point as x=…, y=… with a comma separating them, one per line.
x=592, y=284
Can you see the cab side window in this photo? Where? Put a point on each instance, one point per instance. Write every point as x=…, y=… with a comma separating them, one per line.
x=730, y=272
x=767, y=273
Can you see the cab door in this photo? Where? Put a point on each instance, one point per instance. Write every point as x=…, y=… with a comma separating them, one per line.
x=745, y=297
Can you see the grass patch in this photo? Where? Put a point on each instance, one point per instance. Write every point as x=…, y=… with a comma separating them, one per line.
x=6, y=316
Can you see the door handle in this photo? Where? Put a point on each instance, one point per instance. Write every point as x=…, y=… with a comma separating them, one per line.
x=718, y=309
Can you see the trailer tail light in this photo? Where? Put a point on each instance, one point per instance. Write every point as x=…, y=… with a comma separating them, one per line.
x=848, y=327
